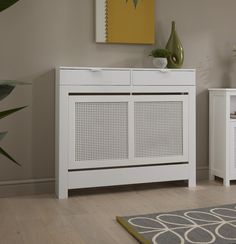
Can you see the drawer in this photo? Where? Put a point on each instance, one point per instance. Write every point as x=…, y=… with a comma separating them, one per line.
x=95, y=77
x=163, y=77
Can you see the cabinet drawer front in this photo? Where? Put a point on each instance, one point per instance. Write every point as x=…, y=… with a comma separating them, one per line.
x=163, y=78
x=95, y=77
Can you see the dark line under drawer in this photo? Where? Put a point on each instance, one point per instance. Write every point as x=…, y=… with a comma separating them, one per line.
x=158, y=93
x=128, y=166
x=99, y=94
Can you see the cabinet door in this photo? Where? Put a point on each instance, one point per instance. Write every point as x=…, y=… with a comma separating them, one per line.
x=160, y=128
x=98, y=131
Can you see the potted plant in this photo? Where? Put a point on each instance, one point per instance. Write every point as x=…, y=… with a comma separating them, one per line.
x=160, y=57
x=4, y=4
x=6, y=87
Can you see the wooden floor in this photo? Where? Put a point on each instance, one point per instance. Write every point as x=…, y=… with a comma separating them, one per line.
x=89, y=216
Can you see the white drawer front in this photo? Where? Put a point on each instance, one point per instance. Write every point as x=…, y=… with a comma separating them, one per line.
x=95, y=77
x=163, y=78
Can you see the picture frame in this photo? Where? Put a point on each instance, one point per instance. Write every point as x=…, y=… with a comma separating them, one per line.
x=125, y=21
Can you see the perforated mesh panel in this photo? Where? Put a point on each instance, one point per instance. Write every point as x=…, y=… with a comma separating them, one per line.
x=158, y=129
x=101, y=130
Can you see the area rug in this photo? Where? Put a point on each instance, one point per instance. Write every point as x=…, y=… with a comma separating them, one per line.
x=215, y=225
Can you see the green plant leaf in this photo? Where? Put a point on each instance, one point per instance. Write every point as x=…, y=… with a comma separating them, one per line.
x=135, y=2
x=7, y=86
x=4, y=4
x=5, y=113
x=2, y=135
x=160, y=53
x=4, y=153
x=5, y=90
x=13, y=82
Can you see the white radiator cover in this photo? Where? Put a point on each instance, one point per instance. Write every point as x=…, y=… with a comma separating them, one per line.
x=118, y=124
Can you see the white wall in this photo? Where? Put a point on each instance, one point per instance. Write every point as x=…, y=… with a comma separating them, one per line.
x=37, y=36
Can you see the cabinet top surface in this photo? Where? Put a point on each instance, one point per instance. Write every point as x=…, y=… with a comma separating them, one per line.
x=223, y=89
x=117, y=68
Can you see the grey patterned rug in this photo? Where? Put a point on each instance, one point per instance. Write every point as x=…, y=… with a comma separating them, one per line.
x=204, y=225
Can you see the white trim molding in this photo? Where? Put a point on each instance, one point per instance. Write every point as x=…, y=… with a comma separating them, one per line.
x=203, y=173
x=47, y=185
x=24, y=182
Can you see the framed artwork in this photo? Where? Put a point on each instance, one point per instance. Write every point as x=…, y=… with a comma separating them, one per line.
x=125, y=21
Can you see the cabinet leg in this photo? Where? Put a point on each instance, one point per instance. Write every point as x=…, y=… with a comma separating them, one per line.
x=63, y=195
x=192, y=182
x=226, y=182
x=211, y=176
x=62, y=192
x=62, y=182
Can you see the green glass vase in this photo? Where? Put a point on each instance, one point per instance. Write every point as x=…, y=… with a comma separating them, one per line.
x=176, y=60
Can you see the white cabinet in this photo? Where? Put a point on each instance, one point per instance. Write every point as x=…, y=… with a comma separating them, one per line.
x=222, y=134
x=129, y=130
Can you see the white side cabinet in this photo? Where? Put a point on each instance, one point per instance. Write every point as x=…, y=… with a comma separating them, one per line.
x=222, y=129
x=124, y=126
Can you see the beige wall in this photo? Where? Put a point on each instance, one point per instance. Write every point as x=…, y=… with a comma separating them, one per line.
x=37, y=36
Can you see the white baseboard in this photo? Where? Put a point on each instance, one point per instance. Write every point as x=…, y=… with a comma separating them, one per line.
x=24, y=182
x=47, y=185
x=202, y=173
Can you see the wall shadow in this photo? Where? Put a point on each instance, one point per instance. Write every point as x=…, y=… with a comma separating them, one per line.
x=43, y=120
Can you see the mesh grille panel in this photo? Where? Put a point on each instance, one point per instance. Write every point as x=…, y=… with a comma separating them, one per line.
x=158, y=129
x=101, y=130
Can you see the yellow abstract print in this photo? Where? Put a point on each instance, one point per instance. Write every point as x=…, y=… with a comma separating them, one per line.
x=126, y=24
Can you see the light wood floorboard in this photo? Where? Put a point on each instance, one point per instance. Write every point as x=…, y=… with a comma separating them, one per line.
x=88, y=216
